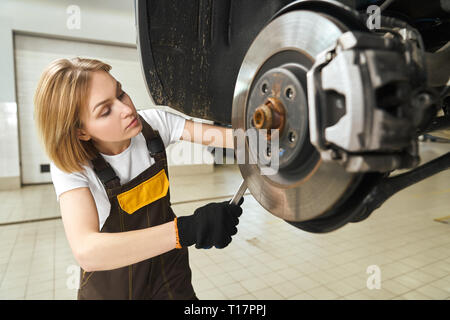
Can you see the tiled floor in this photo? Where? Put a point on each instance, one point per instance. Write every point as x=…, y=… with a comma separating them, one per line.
x=267, y=259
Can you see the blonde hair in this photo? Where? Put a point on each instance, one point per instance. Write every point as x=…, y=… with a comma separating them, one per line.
x=60, y=97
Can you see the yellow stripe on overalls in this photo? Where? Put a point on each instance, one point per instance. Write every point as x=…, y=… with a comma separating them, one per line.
x=145, y=193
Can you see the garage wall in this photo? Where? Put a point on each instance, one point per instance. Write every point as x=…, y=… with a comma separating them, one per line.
x=9, y=140
x=102, y=22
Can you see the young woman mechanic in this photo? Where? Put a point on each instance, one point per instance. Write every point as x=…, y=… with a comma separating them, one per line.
x=109, y=170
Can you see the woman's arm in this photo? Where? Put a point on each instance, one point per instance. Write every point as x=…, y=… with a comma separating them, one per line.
x=208, y=135
x=96, y=250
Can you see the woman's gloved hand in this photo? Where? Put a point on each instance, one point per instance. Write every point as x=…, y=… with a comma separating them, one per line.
x=210, y=225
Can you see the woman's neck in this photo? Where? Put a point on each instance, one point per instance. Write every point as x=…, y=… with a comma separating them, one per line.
x=112, y=148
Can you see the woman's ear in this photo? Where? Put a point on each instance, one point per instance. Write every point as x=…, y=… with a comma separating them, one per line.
x=82, y=135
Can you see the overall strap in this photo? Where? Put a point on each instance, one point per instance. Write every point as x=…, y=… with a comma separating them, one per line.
x=105, y=173
x=155, y=145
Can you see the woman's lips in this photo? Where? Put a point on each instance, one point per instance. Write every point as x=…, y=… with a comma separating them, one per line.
x=133, y=123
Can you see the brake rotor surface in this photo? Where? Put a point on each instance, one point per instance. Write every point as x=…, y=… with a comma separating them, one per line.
x=271, y=92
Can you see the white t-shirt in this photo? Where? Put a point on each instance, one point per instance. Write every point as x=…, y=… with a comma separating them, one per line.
x=127, y=164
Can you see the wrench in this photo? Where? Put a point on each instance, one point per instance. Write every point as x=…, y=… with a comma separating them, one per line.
x=240, y=193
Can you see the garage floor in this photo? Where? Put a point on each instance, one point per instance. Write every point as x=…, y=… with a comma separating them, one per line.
x=267, y=259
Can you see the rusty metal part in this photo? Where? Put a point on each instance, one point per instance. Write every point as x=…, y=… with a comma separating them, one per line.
x=270, y=115
x=262, y=118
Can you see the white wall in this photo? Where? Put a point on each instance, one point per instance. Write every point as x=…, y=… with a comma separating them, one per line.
x=101, y=21
x=9, y=141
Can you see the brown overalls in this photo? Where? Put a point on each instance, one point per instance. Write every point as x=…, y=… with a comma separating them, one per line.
x=141, y=203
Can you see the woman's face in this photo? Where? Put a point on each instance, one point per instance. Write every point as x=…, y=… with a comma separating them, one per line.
x=110, y=118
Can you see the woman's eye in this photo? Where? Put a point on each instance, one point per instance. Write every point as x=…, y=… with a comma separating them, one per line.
x=122, y=95
x=104, y=114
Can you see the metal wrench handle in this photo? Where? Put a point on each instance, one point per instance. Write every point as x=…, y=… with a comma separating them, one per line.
x=240, y=193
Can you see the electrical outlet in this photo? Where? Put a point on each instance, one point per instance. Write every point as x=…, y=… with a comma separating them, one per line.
x=45, y=168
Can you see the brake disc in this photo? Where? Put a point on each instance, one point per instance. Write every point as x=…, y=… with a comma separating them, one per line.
x=271, y=94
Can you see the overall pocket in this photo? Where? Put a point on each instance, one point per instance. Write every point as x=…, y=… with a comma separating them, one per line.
x=145, y=193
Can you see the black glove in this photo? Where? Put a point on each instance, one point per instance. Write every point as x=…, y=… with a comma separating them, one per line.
x=210, y=225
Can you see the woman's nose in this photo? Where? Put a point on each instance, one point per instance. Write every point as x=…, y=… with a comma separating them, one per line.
x=126, y=110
